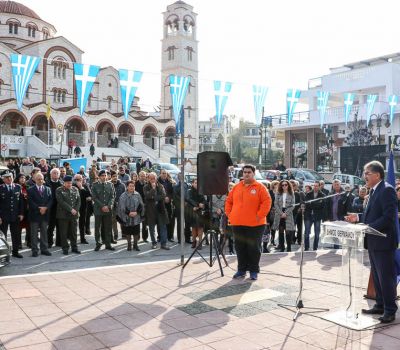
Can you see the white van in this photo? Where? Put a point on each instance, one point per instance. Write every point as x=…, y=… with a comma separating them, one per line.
x=346, y=179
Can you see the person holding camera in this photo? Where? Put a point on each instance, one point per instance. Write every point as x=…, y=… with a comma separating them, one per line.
x=197, y=206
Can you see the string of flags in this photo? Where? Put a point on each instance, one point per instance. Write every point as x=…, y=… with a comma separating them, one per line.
x=24, y=67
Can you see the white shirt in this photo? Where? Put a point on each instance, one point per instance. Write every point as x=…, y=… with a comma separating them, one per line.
x=375, y=187
x=284, y=195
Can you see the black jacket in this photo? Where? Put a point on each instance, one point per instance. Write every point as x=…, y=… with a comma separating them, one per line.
x=316, y=208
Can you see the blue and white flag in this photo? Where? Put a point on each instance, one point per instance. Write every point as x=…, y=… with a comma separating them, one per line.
x=23, y=68
x=259, y=95
x=391, y=178
x=348, y=103
x=393, y=99
x=371, y=99
x=85, y=76
x=222, y=90
x=129, y=81
x=322, y=103
x=178, y=87
x=292, y=97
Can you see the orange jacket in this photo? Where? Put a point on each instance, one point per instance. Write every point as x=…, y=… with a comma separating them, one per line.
x=248, y=205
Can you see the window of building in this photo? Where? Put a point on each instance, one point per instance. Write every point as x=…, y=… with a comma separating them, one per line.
x=29, y=31
x=299, y=150
x=55, y=70
x=171, y=53
x=55, y=96
x=15, y=28
x=109, y=99
x=189, y=53
x=90, y=101
x=10, y=28
x=64, y=73
x=59, y=96
x=27, y=92
x=33, y=32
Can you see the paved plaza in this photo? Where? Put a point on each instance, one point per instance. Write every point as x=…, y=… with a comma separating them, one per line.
x=158, y=305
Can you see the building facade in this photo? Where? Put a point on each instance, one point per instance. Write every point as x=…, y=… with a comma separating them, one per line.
x=179, y=56
x=28, y=132
x=210, y=131
x=336, y=146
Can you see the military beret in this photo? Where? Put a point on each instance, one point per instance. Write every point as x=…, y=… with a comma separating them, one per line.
x=7, y=173
x=102, y=172
x=67, y=178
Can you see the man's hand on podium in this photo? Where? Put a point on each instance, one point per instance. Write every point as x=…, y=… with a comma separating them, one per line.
x=352, y=217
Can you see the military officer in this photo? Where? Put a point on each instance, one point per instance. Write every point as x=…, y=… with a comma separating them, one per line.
x=68, y=205
x=103, y=195
x=11, y=210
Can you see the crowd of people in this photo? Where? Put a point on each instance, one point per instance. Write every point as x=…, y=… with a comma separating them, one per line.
x=57, y=203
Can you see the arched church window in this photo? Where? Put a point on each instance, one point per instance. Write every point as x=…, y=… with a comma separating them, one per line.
x=59, y=96
x=29, y=31
x=109, y=99
x=64, y=73
x=55, y=96
x=63, y=96
x=33, y=32
x=90, y=101
x=10, y=28
x=15, y=28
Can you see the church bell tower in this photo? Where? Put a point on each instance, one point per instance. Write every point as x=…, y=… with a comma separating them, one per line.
x=179, y=57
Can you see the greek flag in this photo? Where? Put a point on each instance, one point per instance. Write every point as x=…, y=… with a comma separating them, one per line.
x=322, y=103
x=348, y=103
x=259, y=95
x=23, y=68
x=292, y=97
x=85, y=76
x=178, y=87
x=393, y=99
x=129, y=81
x=371, y=99
x=222, y=90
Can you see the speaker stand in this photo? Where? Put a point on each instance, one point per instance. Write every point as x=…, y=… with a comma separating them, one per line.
x=213, y=246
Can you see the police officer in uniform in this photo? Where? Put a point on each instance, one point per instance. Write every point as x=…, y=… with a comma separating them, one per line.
x=103, y=195
x=68, y=205
x=11, y=211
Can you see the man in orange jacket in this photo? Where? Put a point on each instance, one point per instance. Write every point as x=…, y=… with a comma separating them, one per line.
x=247, y=207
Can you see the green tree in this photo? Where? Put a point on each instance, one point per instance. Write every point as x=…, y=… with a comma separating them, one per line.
x=220, y=144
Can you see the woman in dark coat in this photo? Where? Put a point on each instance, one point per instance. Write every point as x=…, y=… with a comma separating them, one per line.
x=130, y=211
x=156, y=213
x=197, y=206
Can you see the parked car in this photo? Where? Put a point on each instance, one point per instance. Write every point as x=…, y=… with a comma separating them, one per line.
x=271, y=175
x=132, y=167
x=353, y=181
x=189, y=177
x=4, y=251
x=171, y=168
x=238, y=174
x=308, y=177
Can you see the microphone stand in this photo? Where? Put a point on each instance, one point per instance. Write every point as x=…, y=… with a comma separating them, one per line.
x=299, y=300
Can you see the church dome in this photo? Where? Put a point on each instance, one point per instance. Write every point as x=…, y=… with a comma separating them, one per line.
x=17, y=9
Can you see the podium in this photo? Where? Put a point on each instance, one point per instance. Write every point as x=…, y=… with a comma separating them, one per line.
x=351, y=238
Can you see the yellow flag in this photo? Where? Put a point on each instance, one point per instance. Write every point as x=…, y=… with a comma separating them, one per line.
x=48, y=111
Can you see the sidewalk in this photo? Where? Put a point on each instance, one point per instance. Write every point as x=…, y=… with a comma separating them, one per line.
x=159, y=306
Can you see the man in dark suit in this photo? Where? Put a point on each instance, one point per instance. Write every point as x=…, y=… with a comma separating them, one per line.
x=39, y=201
x=53, y=183
x=11, y=211
x=313, y=215
x=381, y=214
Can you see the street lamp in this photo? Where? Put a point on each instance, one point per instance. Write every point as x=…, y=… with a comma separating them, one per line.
x=1, y=135
x=159, y=135
x=379, y=118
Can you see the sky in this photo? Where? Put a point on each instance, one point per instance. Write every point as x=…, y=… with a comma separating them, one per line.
x=279, y=44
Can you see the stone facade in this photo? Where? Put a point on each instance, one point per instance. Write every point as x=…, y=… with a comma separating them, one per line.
x=53, y=82
x=179, y=56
